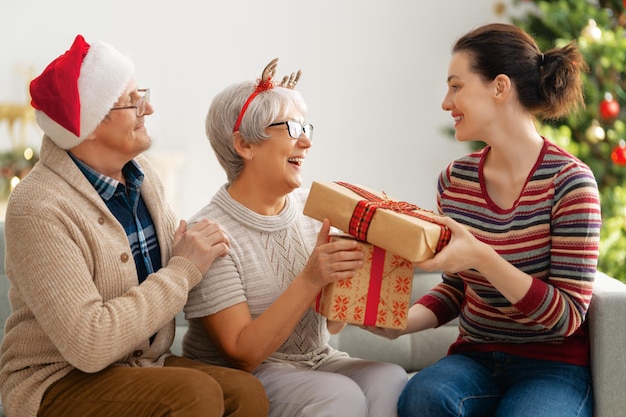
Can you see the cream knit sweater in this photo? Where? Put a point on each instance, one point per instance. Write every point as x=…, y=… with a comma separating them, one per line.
x=266, y=254
x=74, y=294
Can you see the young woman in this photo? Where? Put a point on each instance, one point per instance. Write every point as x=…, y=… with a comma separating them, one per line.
x=251, y=310
x=525, y=221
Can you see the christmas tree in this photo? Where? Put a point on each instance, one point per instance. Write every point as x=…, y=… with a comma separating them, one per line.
x=597, y=135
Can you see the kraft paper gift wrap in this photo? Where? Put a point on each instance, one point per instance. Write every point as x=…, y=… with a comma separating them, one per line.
x=399, y=227
x=378, y=295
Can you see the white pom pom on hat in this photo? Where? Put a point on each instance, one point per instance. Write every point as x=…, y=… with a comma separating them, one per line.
x=77, y=90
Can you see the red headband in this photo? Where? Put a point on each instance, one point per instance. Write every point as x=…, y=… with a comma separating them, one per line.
x=262, y=85
x=265, y=83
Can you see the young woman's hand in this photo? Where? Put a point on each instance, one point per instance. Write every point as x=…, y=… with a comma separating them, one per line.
x=463, y=251
x=384, y=332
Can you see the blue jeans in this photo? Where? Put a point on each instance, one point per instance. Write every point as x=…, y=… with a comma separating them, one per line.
x=498, y=385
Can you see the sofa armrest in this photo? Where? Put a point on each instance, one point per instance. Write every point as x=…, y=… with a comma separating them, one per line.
x=607, y=327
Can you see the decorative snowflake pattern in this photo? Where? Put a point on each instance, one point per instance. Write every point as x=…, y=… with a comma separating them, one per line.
x=345, y=283
x=359, y=313
x=347, y=300
x=382, y=315
x=403, y=284
x=340, y=307
x=399, y=262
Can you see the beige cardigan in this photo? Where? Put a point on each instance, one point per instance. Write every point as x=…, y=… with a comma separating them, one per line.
x=74, y=294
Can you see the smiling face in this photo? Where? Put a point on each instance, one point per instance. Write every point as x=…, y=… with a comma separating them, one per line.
x=469, y=99
x=277, y=161
x=120, y=137
x=122, y=133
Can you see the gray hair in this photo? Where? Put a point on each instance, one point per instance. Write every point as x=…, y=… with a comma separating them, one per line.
x=264, y=109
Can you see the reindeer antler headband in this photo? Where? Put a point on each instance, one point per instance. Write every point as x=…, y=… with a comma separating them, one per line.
x=265, y=83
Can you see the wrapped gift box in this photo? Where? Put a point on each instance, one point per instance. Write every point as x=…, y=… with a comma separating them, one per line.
x=378, y=295
x=399, y=227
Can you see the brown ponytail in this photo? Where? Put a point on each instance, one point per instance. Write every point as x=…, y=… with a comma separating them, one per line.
x=548, y=84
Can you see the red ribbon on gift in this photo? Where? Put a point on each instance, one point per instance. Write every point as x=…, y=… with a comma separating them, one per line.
x=373, y=293
x=370, y=317
x=318, y=301
x=365, y=209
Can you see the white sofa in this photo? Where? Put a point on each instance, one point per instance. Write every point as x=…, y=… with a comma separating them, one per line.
x=607, y=320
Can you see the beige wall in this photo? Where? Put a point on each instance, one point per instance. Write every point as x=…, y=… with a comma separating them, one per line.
x=373, y=76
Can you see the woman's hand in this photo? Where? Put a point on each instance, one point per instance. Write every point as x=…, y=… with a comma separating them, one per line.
x=419, y=318
x=466, y=252
x=463, y=252
x=384, y=332
x=332, y=261
x=335, y=327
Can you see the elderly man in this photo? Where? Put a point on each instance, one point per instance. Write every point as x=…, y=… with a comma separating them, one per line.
x=99, y=267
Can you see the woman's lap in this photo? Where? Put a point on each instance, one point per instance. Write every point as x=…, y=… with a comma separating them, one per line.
x=496, y=384
x=341, y=386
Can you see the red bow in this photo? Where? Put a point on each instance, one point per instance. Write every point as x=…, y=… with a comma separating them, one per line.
x=365, y=209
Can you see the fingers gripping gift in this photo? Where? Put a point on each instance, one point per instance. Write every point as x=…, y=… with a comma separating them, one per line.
x=399, y=227
x=392, y=234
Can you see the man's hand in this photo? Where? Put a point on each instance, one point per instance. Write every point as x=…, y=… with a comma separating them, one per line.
x=201, y=243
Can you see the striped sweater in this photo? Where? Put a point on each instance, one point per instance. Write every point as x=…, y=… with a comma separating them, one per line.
x=551, y=233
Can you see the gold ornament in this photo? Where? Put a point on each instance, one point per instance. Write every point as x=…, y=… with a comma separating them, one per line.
x=592, y=32
x=595, y=133
x=499, y=8
x=21, y=114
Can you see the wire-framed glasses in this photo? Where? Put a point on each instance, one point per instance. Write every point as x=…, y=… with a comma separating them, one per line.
x=140, y=106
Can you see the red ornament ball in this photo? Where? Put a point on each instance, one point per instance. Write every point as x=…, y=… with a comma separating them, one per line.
x=618, y=156
x=609, y=107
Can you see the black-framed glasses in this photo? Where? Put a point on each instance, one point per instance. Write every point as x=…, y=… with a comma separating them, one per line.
x=140, y=106
x=296, y=129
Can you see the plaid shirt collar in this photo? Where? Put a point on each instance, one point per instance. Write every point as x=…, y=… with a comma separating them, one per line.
x=106, y=186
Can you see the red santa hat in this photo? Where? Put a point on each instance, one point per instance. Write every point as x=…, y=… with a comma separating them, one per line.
x=77, y=90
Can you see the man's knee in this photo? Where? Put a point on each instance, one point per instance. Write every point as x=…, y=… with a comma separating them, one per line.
x=197, y=391
x=244, y=395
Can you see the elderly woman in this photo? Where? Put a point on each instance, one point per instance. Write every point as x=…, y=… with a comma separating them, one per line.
x=252, y=308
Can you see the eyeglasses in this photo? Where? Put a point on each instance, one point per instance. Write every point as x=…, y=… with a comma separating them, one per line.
x=140, y=106
x=296, y=129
